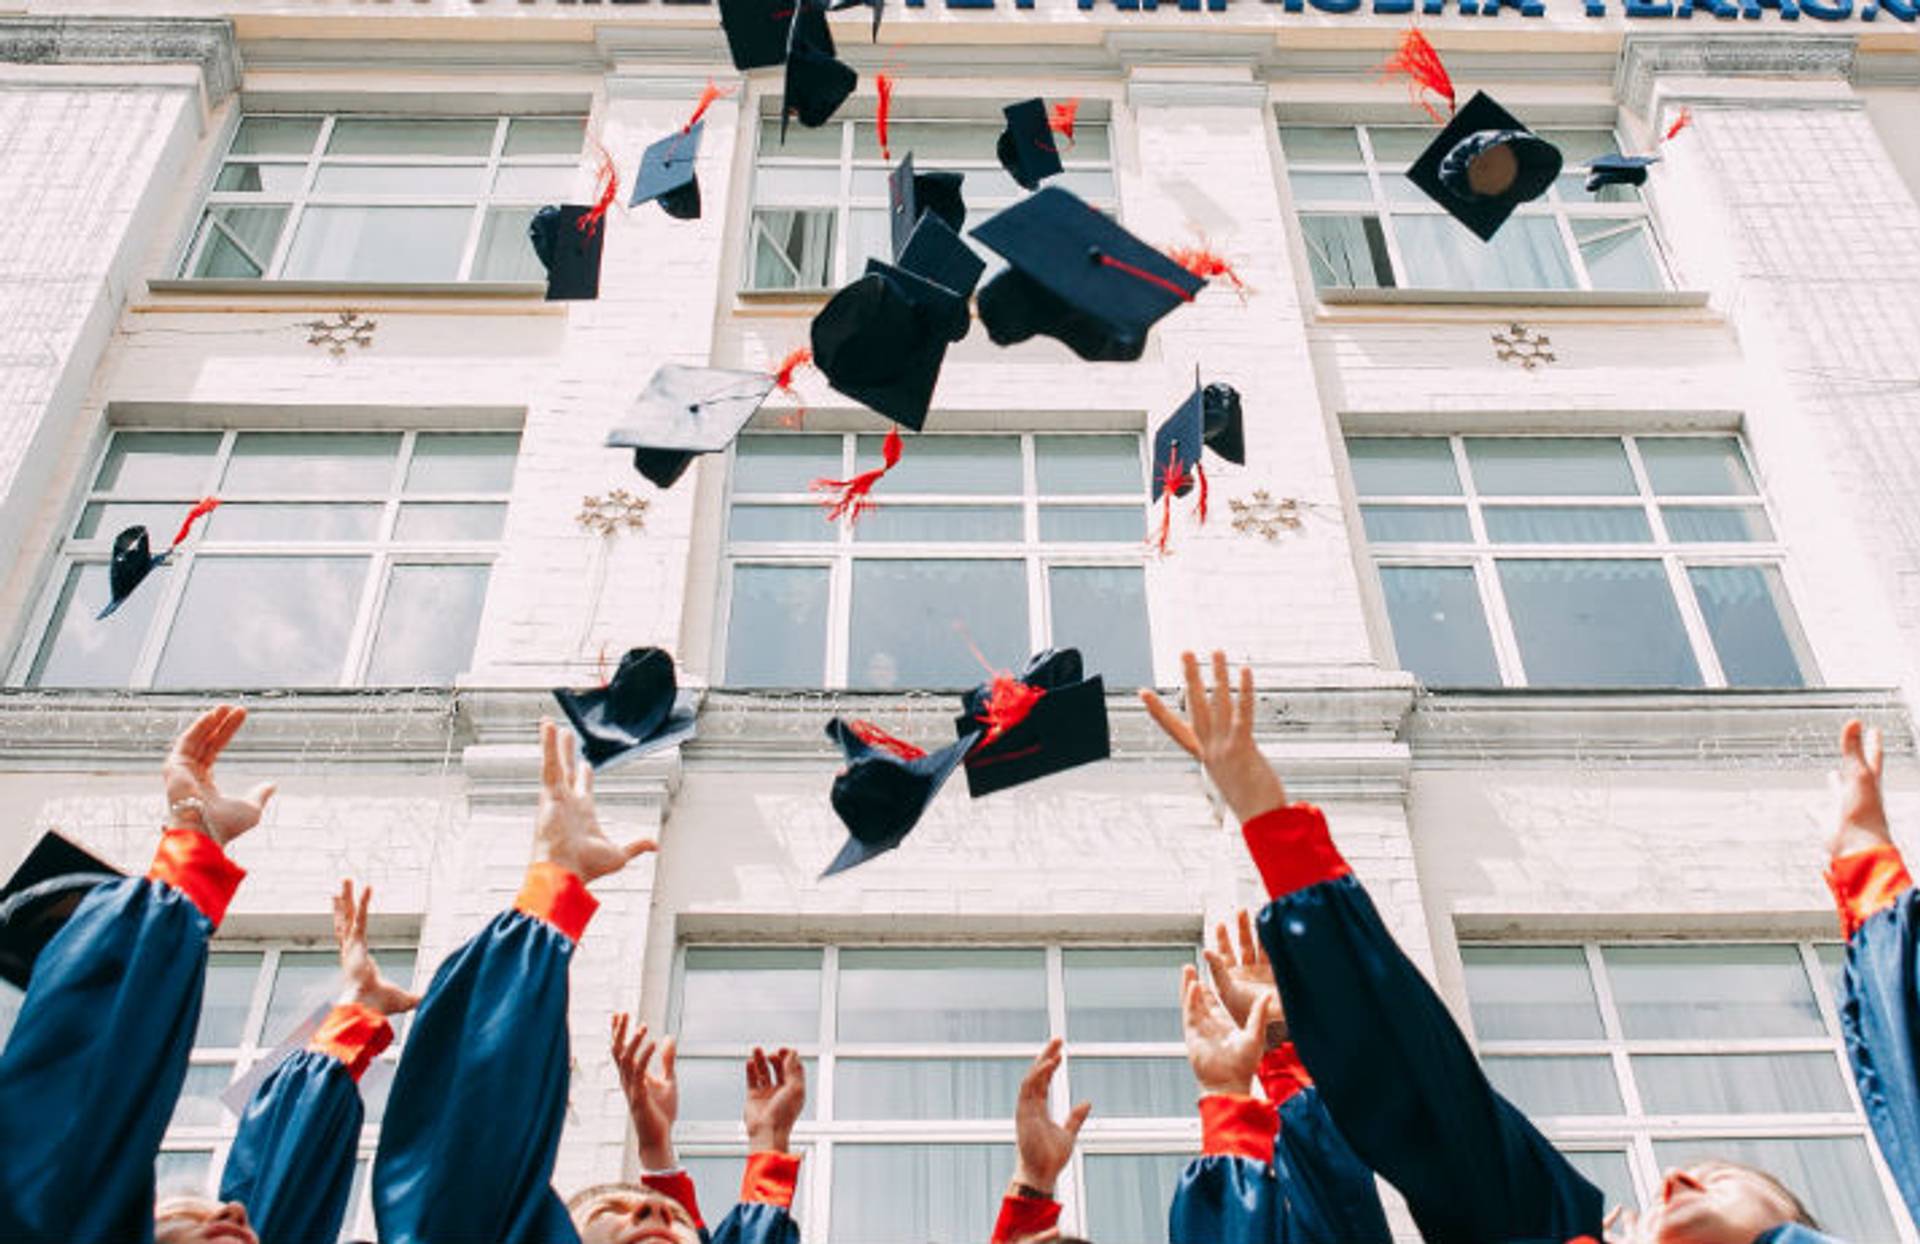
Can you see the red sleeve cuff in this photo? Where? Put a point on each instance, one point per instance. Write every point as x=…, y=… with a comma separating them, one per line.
x=1235, y=1126
x=193, y=863
x=679, y=1186
x=1867, y=882
x=557, y=896
x=1024, y=1216
x=770, y=1179
x=354, y=1034
x=1282, y=1074
x=1292, y=849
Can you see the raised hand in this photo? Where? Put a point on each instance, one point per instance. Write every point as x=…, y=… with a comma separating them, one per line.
x=566, y=830
x=367, y=987
x=776, y=1094
x=1224, y=1055
x=193, y=800
x=1219, y=734
x=653, y=1101
x=1241, y=977
x=1862, y=820
x=1044, y=1147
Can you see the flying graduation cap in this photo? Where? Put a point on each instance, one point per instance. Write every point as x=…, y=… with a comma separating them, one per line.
x=40, y=897
x=1076, y=275
x=685, y=412
x=568, y=241
x=817, y=83
x=1618, y=170
x=1484, y=164
x=1026, y=147
x=757, y=30
x=640, y=710
x=886, y=787
x=133, y=557
x=667, y=171
x=1209, y=419
x=878, y=6
x=912, y=194
x=1049, y=719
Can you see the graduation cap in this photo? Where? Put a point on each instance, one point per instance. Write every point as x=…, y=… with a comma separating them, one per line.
x=1210, y=418
x=640, y=710
x=667, y=173
x=876, y=5
x=568, y=241
x=911, y=195
x=687, y=411
x=133, y=556
x=1484, y=164
x=1618, y=170
x=38, y=899
x=1077, y=276
x=757, y=30
x=1026, y=147
x=885, y=787
x=816, y=83
x=1050, y=719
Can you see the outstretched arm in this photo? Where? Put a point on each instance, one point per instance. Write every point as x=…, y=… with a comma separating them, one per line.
x=1229, y=1195
x=776, y=1094
x=99, y=1052
x=653, y=1103
x=1029, y=1210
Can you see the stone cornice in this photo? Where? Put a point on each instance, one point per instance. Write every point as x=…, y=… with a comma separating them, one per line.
x=208, y=43
x=1645, y=58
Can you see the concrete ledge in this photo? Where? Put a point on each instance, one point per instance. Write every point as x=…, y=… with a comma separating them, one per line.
x=1514, y=300
x=208, y=43
x=350, y=289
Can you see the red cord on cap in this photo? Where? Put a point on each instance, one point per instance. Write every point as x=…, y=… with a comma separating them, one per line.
x=1060, y=119
x=609, y=181
x=1206, y=264
x=1174, y=477
x=1421, y=64
x=1008, y=702
x=707, y=96
x=1153, y=278
x=874, y=736
x=205, y=506
x=854, y=500
x=883, y=85
x=1680, y=122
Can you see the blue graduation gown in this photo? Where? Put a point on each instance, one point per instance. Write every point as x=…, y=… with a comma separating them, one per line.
x=89, y=1078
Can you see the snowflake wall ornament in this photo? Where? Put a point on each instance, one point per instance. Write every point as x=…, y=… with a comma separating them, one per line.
x=618, y=511
x=1264, y=515
x=346, y=328
x=1516, y=343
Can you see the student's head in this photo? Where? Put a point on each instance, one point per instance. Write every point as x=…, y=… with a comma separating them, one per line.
x=630, y=1214
x=1715, y=1202
x=196, y=1220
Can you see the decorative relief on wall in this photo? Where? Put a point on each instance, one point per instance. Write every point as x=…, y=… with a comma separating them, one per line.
x=618, y=511
x=346, y=328
x=1530, y=348
x=1264, y=515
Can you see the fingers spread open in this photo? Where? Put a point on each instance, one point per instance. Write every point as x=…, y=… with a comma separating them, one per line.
x=1196, y=696
x=1220, y=707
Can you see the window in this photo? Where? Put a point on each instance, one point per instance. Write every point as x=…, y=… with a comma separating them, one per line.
x=336, y=559
x=1637, y=1058
x=256, y=998
x=1602, y=561
x=393, y=199
x=1366, y=226
x=914, y=1057
x=1000, y=544
x=820, y=200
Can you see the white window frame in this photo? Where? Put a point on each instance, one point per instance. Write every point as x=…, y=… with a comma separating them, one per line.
x=1636, y=1131
x=818, y=1136
x=382, y=551
x=838, y=549
x=1676, y=557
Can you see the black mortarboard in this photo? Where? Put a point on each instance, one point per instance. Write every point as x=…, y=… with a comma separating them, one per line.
x=667, y=174
x=1077, y=276
x=881, y=340
x=687, y=411
x=133, y=561
x=1026, y=147
x=1210, y=418
x=910, y=195
x=1484, y=164
x=1618, y=170
x=816, y=83
x=757, y=30
x=1066, y=727
x=640, y=710
x=884, y=789
x=37, y=900
x=570, y=253
x=935, y=252
x=878, y=6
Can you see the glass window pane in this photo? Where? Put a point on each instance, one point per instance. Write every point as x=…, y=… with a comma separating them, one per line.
x=231, y=975
x=1323, y=144
x=1703, y=524
x=926, y=1088
x=1087, y=465
x=1597, y=623
x=199, y=1102
x=785, y=463
x=777, y=627
x=462, y=462
x=964, y=465
x=401, y=136
x=792, y=249
x=805, y=184
x=1712, y=991
x=428, y=623
x=536, y=136
x=750, y=995
x=82, y=650
x=238, y=241
x=1568, y=524
x=1330, y=187
x=869, y=236
x=933, y=141
x=306, y=979
x=1550, y=1087
x=1605, y=1169
x=1129, y=1195
x=450, y=523
x=762, y=523
x=248, y=178
x=1135, y=1088
x=950, y=524
x=1752, y=624
x=1833, y=961
x=1832, y=1175
x=102, y=520
x=1093, y=185
x=1619, y=254
x=183, y=1172
x=1557, y=466
x=1527, y=253
x=886, y=1194
x=505, y=253
x=1403, y=466
x=276, y=136
x=800, y=142
x=297, y=464
x=238, y=521
x=1102, y=610
x=1347, y=252
x=263, y=622
x=915, y=623
x=1439, y=627
x=424, y=181
x=1416, y=524
x=1539, y=993
x=164, y=463
x=1696, y=466
x=534, y=183
x=1398, y=144
x=1740, y=1083
x=714, y=1090
x=895, y=996
x=389, y=244
x=1125, y=995
x=1092, y=524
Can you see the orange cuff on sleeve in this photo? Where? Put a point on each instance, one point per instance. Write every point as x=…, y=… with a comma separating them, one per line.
x=1024, y=1216
x=1282, y=1074
x=354, y=1034
x=770, y=1179
x=1867, y=882
x=557, y=896
x=1292, y=849
x=679, y=1186
x=1235, y=1126
x=193, y=863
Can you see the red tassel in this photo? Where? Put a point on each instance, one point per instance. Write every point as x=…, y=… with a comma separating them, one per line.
x=609, y=182
x=1206, y=265
x=1173, y=478
x=1201, y=508
x=854, y=500
x=205, y=506
x=874, y=736
x=707, y=96
x=883, y=84
x=1008, y=703
x=1421, y=64
x=1061, y=118
x=783, y=375
x=1150, y=277
x=1680, y=122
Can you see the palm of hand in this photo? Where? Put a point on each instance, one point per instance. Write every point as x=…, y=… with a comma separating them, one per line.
x=1044, y=1144
x=570, y=827
x=655, y=1104
x=225, y=818
x=1241, y=987
x=373, y=989
x=1221, y=1053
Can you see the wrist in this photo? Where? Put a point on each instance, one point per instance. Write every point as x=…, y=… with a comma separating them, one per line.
x=768, y=1140
x=1851, y=839
x=1032, y=1184
x=1217, y=1087
x=658, y=1156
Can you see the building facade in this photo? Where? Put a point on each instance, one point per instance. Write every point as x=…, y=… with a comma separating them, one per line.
x=1559, y=560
